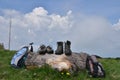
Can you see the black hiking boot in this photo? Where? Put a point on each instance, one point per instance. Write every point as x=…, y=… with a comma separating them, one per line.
x=42, y=50
x=67, y=48
x=49, y=50
x=59, y=50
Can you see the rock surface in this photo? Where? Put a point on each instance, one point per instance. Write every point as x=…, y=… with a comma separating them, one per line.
x=74, y=62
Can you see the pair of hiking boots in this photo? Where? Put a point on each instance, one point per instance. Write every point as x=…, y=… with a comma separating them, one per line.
x=63, y=48
x=43, y=49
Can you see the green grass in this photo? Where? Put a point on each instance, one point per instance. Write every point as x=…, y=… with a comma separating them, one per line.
x=46, y=73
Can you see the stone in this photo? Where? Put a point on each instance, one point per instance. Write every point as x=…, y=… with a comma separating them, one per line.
x=72, y=63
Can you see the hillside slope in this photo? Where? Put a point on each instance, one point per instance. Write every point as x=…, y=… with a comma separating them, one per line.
x=46, y=73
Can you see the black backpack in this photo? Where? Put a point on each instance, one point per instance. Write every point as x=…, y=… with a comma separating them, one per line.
x=94, y=67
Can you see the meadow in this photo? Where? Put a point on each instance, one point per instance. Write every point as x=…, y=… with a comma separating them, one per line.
x=111, y=66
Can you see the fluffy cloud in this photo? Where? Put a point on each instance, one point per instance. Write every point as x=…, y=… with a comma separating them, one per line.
x=35, y=26
x=117, y=25
x=92, y=34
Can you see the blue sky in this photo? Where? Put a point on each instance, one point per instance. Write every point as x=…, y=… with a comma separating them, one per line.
x=93, y=26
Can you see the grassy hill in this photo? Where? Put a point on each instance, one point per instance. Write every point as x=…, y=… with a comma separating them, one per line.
x=112, y=67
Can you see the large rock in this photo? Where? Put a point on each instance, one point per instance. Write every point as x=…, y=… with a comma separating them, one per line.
x=74, y=62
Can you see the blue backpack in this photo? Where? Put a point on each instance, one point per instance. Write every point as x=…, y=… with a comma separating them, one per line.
x=18, y=60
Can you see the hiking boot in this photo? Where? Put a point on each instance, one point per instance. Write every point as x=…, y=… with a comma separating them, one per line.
x=49, y=50
x=59, y=50
x=67, y=48
x=42, y=49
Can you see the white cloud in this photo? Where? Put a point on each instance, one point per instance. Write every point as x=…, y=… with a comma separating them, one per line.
x=58, y=21
x=40, y=11
x=117, y=25
x=91, y=34
x=37, y=18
